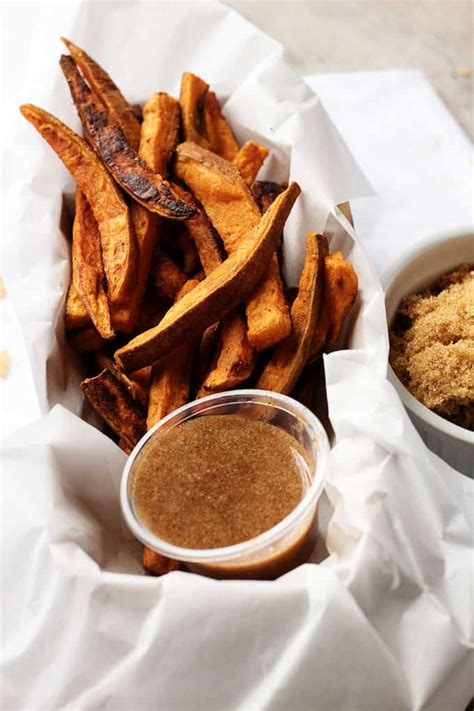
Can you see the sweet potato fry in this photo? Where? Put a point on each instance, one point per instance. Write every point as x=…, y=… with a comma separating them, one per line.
x=232, y=210
x=234, y=360
x=142, y=377
x=111, y=399
x=265, y=192
x=104, y=362
x=193, y=108
x=170, y=382
x=75, y=312
x=342, y=290
x=87, y=268
x=158, y=139
x=203, y=234
x=217, y=295
x=222, y=140
x=159, y=132
x=108, y=139
x=116, y=104
x=204, y=356
x=249, y=160
x=168, y=278
x=322, y=325
x=158, y=564
x=290, y=356
x=186, y=251
x=171, y=375
x=85, y=340
x=116, y=231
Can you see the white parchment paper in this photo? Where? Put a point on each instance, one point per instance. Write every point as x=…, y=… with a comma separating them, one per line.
x=385, y=621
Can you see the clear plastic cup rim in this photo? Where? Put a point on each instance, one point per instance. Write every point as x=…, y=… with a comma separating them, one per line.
x=215, y=555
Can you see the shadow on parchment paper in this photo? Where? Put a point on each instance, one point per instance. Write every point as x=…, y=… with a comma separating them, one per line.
x=310, y=390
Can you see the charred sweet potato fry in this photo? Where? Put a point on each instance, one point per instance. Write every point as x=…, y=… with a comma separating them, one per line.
x=265, y=192
x=168, y=278
x=116, y=104
x=217, y=295
x=232, y=210
x=342, y=290
x=192, y=98
x=249, y=160
x=159, y=132
x=222, y=140
x=113, y=402
x=116, y=230
x=290, y=356
x=87, y=268
x=108, y=139
x=104, y=362
x=158, y=139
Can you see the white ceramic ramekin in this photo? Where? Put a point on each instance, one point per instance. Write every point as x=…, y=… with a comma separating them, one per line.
x=414, y=271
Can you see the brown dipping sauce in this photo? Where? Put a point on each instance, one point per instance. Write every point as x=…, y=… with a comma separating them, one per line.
x=217, y=480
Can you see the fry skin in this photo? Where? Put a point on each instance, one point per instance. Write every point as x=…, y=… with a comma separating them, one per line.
x=116, y=104
x=249, y=160
x=112, y=214
x=221, y=137
x=289, y=357
x=217, y=295
x=108, y=139
x=232, y=210
x=87, y=268
x=113, y=402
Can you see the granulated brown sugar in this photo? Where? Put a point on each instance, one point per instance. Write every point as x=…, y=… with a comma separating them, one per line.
x=217, y=480
x=432, y=346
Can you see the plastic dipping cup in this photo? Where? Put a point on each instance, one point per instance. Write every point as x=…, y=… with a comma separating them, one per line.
x=278, y=549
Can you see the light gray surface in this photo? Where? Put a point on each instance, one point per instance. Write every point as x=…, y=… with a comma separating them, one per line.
x=350, y=35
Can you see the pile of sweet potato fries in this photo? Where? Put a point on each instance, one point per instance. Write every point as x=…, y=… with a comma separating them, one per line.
x=176, y=288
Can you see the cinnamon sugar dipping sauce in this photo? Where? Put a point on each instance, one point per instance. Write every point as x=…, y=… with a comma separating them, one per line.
x=229, y=484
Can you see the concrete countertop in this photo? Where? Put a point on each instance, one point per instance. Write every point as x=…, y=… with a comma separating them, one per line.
x=434, y=36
